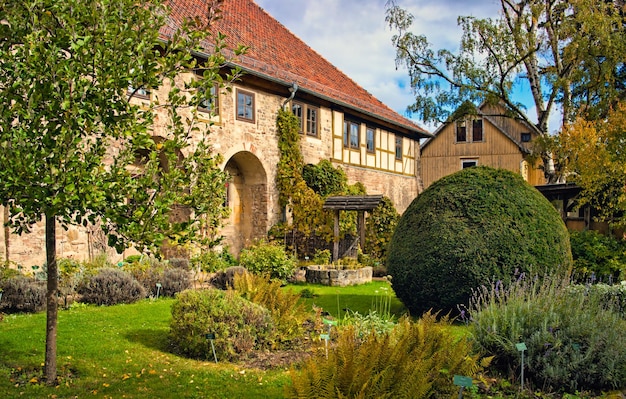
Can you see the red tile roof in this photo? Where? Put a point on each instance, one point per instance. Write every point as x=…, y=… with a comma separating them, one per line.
x=276, y=53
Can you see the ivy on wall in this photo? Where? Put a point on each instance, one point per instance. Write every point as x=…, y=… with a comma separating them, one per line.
x=304, y=188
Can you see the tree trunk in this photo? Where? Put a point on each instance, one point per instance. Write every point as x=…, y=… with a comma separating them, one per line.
x=7, y=235
x=50, y=368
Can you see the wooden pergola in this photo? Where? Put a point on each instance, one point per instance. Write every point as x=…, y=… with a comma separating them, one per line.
x=360, y=203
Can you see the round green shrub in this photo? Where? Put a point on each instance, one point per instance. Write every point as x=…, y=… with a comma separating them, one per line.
x=270, y=259
x=474, y=226
x=238, y=325
x=110, y=287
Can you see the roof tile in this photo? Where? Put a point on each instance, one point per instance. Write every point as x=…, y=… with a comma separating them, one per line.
x=277, y=53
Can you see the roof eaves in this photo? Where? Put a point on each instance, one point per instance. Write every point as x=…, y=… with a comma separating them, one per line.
x=288, y=83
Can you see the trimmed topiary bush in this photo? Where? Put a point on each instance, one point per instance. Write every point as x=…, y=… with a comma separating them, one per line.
x=22, y=294
x=477, y=225
x=110, y=287
x=238, y=325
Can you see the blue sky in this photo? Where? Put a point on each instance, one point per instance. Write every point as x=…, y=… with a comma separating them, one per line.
x=353, y=36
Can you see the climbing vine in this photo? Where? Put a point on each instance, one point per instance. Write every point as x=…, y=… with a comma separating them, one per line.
x=303, y=189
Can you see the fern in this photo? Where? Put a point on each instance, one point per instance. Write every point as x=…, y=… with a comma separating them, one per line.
x=414, y=360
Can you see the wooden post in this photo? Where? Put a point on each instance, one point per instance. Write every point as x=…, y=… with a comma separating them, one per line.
x=360, y=222
x=336, y=236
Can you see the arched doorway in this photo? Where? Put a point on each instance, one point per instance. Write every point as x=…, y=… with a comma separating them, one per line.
x=247, y=198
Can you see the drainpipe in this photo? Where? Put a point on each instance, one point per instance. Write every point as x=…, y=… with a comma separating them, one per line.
x=293, y=89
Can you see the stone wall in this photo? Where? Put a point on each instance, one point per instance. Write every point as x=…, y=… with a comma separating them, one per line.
x=336, y=277
x=250, y=151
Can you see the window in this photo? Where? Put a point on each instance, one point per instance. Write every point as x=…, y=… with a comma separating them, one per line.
x=477, y=130
x=351, y=137
x=469, y=131
x=310, y=124
x=311, y=121
x=461, y=133
x=468, y=163
x=398, y=147
x=369, y=139
x=211, y=101
x=525, y=137
x=297, y=109
x=245, y=106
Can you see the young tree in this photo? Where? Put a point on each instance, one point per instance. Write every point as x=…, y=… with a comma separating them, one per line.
x=75, y=145
x=570, y=52
x=596, y=161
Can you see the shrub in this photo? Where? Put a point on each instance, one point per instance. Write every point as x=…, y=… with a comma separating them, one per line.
x=225, y=279
x=147, y=271
x=380, y=226
x=6, y=271
x=321, y=257
x=213, y=261
x=324, y=178
x=288, y=312
x=268, y=258
x=180, y=263
x=575, y=337
x=414, y=360
x=598, y=257
x=471, y=227
x=174, y=281
x=110, y=287
x=22, y=294
x=239, y=325
x=70, y=275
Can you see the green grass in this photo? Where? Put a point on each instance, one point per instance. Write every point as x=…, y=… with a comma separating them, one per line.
x=376, y=295
x=122, y=352
x=119, y=352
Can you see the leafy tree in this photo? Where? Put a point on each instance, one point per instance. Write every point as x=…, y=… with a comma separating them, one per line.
x=596, y=161
x=77, y=148
x=569, y=52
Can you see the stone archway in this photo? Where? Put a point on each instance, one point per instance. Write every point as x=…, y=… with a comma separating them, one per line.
x=247, y=198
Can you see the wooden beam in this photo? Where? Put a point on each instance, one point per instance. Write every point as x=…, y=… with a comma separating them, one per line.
x=336, y=237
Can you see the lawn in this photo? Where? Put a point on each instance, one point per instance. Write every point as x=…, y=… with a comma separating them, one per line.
x=122, y=352
x=119, y=352
x=377, y=296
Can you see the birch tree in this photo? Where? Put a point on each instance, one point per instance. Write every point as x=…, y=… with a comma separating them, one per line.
x=569, y=53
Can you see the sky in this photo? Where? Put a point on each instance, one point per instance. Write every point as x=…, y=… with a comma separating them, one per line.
x=353, y=36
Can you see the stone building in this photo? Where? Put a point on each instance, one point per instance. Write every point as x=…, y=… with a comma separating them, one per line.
x=340, y=121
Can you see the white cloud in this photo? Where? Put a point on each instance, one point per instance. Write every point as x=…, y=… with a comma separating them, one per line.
x=353, y=36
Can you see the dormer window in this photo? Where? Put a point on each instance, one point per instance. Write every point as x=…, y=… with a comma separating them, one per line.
x=477, y=130
x=469, y=131
x=526, y=137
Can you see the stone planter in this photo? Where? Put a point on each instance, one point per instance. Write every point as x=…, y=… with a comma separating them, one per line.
x=336, y=277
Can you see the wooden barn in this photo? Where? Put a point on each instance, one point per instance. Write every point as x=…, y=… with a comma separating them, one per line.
x=479, y=136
